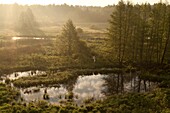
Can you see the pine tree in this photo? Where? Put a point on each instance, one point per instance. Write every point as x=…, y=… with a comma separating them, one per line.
x=116, y=31
x=69, y=38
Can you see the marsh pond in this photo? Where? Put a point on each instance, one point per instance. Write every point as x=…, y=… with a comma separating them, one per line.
x=80, y=89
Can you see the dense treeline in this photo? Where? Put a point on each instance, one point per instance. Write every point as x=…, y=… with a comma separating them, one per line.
x=140, y=33
x=53, y=14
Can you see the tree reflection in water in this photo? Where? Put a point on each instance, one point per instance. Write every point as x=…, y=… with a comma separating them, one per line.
x=126, y=82
x=96, y=87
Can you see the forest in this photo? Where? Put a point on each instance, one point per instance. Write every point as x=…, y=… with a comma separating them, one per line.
x=84, y=59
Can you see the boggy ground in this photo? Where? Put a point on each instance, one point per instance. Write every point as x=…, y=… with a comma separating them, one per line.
x=24, y=55
x=151, y=102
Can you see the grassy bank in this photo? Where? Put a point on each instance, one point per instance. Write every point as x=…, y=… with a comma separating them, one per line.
x=61, y=77
x=7, y=94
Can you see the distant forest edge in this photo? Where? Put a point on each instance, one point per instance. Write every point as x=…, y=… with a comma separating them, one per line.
x=53, y=14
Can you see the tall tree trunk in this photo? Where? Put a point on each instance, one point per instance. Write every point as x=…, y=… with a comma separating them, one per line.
x=118, y=79
x=139, y=84
x=167, y=41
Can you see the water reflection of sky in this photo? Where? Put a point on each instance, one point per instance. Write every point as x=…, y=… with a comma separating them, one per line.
x=17, y=75
x=35, y=38
x=85, y=87
x=53, y=92
x=89, y=86
x=31, y=38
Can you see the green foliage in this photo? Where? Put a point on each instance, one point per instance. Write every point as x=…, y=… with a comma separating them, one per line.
x=69, y=38
x=151, y=102
x=140, y=33
x=156, y=101
x=7, y=81
x=64, y=77
x=71, y=46
x=7, y=95
x=46, y=79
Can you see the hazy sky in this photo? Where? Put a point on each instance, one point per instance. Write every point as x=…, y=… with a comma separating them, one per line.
x=75, y=2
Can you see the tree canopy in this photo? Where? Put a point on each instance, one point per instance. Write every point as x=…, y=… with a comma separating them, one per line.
x=140, y=33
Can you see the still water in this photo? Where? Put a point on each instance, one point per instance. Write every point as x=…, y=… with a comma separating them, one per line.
x=89, y=87
x=17, y=75
x=86, y=87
